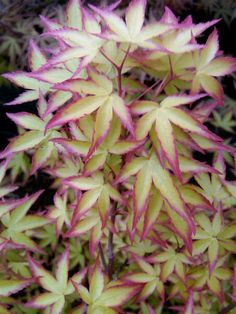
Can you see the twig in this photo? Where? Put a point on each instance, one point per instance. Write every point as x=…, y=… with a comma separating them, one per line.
x=101, y=253
x=146, y=91
x=163, y=84
x=228, y=308
x=118, y=68
x=110, y=253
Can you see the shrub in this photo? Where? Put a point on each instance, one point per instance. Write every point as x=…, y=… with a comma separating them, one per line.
x=138, y=223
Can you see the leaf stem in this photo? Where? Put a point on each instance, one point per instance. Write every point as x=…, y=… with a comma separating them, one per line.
x=228, y=308
x=101, y=253
x=118, y=68
x=110, y=253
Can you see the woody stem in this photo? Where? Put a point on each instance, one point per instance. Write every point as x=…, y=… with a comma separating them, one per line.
x=110, y=253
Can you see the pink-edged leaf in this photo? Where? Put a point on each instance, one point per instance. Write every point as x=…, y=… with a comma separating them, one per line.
x=36, y=57
x=221, y=66
x=22, y=79
x=57, y=100
x=95, y=163
x=57, y=307
x=46, y=280
x=88, y=199
x=95, y=237
x=62, y=269
x=164, y=183
x=74, y=14
x=118, y=295
x=43, y=300
x=153, y=30
x=102, y=123
x=144, y=125
x=122, y=111
x=73, y=37
x=142, y=106
x=3, y=168
x=134, y=16
x=152, y=213
x=213, y=254
x=67, y=55
x=91, y=23
x=49, y=23
x=8, y=287
x=83, y=293
x=27, y=96
x=124, y=147
x=96, y=283
x=23, y=207
x=83, y=226
x=114, y=22
x=104, y=205
x=210, y=50
x=51, y=75
x=27, y=120
x=192, y=197
x=130, y=169
x=169, y=17
x=187, y=122
x=166, y=137
x=194, y=166
x=147, y=290
x=212, y=87
x=78, y=148
x=5, y=190
x=199, y=28
x=41, y=156
x=142, y=188
x=76, y=110
x=210, y=145
x=23, y=142
x=178, y=100
x=83, y=183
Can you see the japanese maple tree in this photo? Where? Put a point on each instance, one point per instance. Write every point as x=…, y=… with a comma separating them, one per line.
x=138, y=222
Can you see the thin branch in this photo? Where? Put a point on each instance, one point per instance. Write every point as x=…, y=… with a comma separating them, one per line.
x=163, y=84
x=110, y=253
x=101, y=253
x=228, y=308
x=109, y=59
x=119, y=72
x=146, y=91
x=118, y=68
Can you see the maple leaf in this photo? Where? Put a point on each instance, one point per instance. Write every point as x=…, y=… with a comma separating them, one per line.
x=163, y=115
x=33, y=137
x=103, y=99
x=173, y=260
x=208, y=67
x=38, y=81
x=143, y=169
x=103, y=298
x=58, y=287
x=150, y=277
x=18, y=222
x=132, y=30
x=112, y=145
x=214, y=237
x=97, y=191
x=60, y=212
x=202, y=277
x=225, y=122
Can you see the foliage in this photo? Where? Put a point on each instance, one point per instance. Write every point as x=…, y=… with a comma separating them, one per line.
x=138, y=223
x=19, y=22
